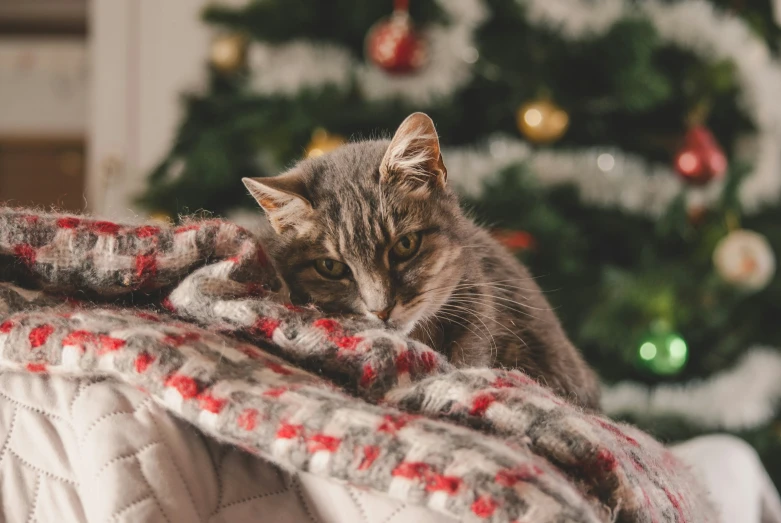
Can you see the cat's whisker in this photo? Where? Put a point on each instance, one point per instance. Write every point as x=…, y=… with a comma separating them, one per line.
x=497, y=306
x=464, y=309
x=453, y=317
x=420, y=297
x=502, y=298
x=496, y=284
x=499, y=312
x=493, y=340
x=428, y=333
x=505, y=327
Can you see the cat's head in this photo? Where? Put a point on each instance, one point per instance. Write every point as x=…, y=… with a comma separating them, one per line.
x=369, y=228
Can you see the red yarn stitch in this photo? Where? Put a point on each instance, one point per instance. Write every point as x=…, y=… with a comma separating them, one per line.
x=250, y=351
x=146, y=266
x=104, y=227
x=480, y=404
x=39, y=335
x=294, y=308
x=68, y=222
x=335, y=333
x=288, y=431
x=6, y=327
x=323, y=442
x=185, y=228
x=403, y=362
x=605, y=460
x=79, y=339
x=391, y=424
x=429, y=361
x=615, y=430
x=328, y=325
x=180, y=339
x=370, y=455
x=442, y=483
x=143, y=361
x=109, y=344
x=36, y=367
x=248, y=419
x=509, y=477
x=411, y=470
x=676, y=503
x=187, y=386
x=502, y=383
x=211, y=404
x=278, y=368
x=146, y=231
x=368, y=376
x=484, y=507
x=637, y=465
x=347, y=342
x=26, y=252
x=266, y=327
x=275, y=392
x=148, y=316
x=650, y=508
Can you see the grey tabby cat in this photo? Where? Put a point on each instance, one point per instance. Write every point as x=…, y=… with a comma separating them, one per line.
x=372, y=228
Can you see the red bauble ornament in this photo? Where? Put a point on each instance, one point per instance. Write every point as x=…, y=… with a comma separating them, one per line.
x=514, y=241
x=394, y=45
x=701, y=159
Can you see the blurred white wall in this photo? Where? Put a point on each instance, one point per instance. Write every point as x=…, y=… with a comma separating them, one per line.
x=43, y=86
x=144, y=54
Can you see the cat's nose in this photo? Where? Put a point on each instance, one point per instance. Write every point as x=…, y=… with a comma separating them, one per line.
x=384, y=314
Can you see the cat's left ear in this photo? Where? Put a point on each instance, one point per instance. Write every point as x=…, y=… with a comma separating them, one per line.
x=414, y=159
x=284, y=198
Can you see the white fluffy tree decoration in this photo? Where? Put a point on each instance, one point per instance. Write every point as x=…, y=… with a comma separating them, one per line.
x=740, y=398
x=604, y=177
x=290, y=68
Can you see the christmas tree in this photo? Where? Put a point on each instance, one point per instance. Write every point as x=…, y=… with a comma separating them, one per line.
x=628, y=152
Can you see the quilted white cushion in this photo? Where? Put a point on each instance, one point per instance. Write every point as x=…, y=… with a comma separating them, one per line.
x=97, y=451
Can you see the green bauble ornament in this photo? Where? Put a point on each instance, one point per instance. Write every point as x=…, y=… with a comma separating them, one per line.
x=663, y=351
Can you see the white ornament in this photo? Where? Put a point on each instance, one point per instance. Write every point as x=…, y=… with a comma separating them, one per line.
x=745, y=259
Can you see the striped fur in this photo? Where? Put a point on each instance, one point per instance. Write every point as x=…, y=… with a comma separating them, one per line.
x=462, y=294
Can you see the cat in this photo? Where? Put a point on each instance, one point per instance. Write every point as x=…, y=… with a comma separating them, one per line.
x=372, y=228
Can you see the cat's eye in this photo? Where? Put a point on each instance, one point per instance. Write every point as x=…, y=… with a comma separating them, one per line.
x=331, y=269
x=406, y=247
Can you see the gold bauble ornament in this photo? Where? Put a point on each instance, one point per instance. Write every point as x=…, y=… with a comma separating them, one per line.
x=161, y=218
x=542, y=121
x=228, y=52
x=322, y=142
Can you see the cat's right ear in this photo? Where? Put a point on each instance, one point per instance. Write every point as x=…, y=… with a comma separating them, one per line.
x=284, y=198
x=413, y=160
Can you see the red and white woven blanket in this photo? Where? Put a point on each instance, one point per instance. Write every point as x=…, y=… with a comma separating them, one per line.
x=188, y=314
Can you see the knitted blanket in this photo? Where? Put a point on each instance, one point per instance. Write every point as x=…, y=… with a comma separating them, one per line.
x=188, y=314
